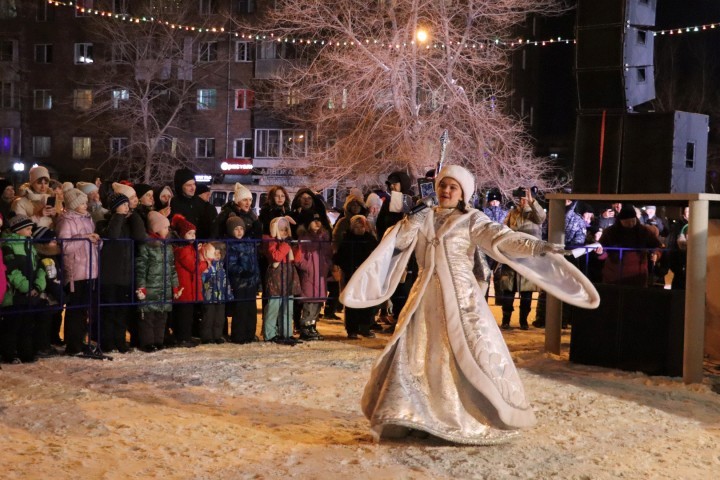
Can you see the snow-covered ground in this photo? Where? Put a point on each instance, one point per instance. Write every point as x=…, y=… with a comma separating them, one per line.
x=268, y=411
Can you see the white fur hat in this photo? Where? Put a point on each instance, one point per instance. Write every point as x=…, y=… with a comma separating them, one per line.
x=124, y=189
x=241, y=192
x=276, y=224
x=462, y=176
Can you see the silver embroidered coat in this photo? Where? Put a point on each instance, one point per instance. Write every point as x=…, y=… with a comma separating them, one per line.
x=447, y=370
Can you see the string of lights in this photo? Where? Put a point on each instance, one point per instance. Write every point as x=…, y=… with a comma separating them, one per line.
x=79, y=6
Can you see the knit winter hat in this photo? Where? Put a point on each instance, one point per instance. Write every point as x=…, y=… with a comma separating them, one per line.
x=86, y=187
x=315, y=218
x=460, y=175
x=241, y=192
x=234, y=222
x=18, y=222
x=42, y=233
x=156, y=221
x=182, y=225
x=36, y=173
x=627, y=211
x=201, y=188
x=114, y=200
x=126, y=190
x=494, y=194
x=74, y=198
x=141, y=189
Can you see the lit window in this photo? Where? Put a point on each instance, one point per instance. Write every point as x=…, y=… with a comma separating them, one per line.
x=243, y=148
x=118, y=146
x=42, y=100
x=273, y=143
x=208, y=52
x=267, y=143
x=243, y=51
x=41, y=147
x=206, y=99
x=205, y=147
x=82, y=99
x=119, y=96
x=83, y=53
x=81, y=147
x=244, y=99
x=43, y=53
x=292, y=97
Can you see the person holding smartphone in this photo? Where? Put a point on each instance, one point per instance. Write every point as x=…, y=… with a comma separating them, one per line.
x=32, y=200
x=526, y=217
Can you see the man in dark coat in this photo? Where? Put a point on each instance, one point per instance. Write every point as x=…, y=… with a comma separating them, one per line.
x=189, y=205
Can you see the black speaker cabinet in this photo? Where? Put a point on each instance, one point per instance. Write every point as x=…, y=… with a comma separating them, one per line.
x=607, y=12
x=634, y=329
x=598, y=148
x=664, y=153
x=614, y=67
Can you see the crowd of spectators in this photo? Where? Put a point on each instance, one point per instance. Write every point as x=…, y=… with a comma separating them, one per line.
x=108, y=266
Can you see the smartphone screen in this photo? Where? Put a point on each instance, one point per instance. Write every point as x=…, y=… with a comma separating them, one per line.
x=426, y=187
x=50, y=202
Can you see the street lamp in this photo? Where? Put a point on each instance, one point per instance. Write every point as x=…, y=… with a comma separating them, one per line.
x=421, y=35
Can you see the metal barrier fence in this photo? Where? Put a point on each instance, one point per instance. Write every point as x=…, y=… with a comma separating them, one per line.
x=113, y=263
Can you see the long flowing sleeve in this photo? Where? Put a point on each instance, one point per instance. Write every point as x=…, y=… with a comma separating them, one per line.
x=376, y=279
x=523, y=253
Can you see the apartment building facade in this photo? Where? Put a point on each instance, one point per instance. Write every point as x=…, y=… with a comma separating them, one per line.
x=75, y=87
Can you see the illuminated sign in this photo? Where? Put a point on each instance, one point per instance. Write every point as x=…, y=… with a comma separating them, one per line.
x=235, y=164
x=203, y=178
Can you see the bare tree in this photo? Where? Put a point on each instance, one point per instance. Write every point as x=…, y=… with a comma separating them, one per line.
x=148, y=89
x=378, y=94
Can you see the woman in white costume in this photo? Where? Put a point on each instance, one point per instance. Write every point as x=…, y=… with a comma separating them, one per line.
x=447, y=370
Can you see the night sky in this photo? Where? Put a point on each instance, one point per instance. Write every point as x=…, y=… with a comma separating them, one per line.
x=556, y=88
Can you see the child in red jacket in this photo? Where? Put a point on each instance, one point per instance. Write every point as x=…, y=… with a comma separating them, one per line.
x=189, y=271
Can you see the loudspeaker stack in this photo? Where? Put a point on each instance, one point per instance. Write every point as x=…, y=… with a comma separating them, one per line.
x=616, y=149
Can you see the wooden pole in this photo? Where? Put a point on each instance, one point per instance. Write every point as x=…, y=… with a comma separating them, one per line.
x=696, y=274
x=553, y=307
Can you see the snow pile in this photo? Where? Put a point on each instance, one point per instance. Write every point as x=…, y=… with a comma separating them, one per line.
x=268, y=411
